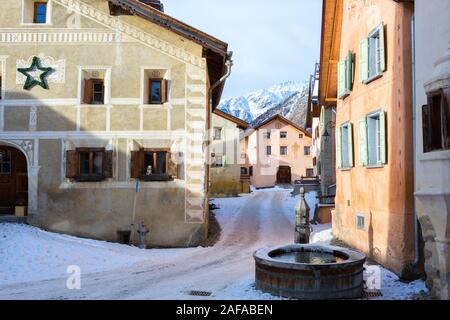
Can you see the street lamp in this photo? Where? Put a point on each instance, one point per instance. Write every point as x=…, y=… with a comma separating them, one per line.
x=326, y=135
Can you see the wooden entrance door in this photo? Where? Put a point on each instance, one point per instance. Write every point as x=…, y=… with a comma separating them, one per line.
x=284, y=174
x=13, y=179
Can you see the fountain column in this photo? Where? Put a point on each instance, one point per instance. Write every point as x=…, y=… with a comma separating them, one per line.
x=302, y=228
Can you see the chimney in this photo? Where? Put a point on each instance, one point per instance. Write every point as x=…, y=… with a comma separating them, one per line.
x=154, y=4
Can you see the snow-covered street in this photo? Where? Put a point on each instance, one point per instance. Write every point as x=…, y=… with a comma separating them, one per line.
x=33, y=263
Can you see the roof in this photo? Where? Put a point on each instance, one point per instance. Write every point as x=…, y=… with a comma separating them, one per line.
x=240, y=123
x=332, y=11
x=214, y=50
x=283, y=119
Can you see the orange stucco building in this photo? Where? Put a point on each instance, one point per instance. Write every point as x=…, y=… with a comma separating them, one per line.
x=369, y=64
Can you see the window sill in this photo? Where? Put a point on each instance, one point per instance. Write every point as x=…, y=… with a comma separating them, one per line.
x=88, y=178
x=156, y=177
x=345, y=169
x=154, y=105
x=29, y=24
x=345, y=95
x=435, y=155
x=374, y=166
x=373, y=78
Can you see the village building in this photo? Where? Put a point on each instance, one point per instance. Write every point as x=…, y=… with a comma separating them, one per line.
x=104, y=111
x=276, y=151
x=225, y=155
x=432, y=139
x=366, y=60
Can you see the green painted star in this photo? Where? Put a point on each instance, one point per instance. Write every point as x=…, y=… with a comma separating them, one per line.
x=33, y=76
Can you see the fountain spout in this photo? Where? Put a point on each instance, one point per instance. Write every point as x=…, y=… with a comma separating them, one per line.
x=302, y=227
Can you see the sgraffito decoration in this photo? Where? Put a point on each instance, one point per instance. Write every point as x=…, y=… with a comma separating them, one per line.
x=36, y=75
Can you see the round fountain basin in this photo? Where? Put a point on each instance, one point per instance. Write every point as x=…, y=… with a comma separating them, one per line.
x=308, y=271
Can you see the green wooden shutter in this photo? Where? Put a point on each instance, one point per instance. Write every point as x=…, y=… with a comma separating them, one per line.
x=383, y=137
x=350, y=145
x=364, y=59
x=382, y=57
x=338, y=148
x=349, y=72
x=362, y=142
x=341, y=78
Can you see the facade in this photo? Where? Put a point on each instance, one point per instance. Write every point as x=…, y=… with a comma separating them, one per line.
x=374, y=146
x=277, y=151
x=225, y=163
x=432, y=139
x=95, y=97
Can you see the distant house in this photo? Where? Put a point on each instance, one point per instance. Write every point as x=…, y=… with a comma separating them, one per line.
x=91, y=113
x=276, y=151
x=366, y=70
x=225, y=155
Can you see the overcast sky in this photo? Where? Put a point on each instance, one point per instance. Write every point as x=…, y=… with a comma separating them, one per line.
x=273, y=40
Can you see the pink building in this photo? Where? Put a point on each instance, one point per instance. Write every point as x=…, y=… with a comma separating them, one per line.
x=276, y=151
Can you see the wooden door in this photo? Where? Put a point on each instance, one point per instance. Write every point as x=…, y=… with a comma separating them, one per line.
x=284, y=174
x=13, y=179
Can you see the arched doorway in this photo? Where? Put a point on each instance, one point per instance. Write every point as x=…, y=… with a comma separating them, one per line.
x=13, y=179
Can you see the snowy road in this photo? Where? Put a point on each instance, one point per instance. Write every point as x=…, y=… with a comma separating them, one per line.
x=33, y=262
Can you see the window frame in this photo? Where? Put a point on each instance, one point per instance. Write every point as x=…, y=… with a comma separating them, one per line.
x=91, y=176
x=35, y=11
x=283, y=134
x=267, y=135
x=268, y=150
x=94, y=83
x=374, y=116
x=307, y=150
x=429, y=127
x=163, y=88
x=91, y=76
x=155, y=152
x=281, y=152
x=217, y=130
x=349, y=149
x=379, y=50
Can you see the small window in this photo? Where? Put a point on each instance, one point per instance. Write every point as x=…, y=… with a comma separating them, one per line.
x=372, y=55
x=360, y=221
x=267, y=135
x=217, y=133
x=283, y=134
x=300, y=136
x=40, y=12
x=278, y=126
x=93, y=89
x=436, y=121
x=307, y=150
x=244, y=171
x=374, y=139
x=268, y=150
x=283, y=150
x=153, y=165
x=344, y=146
x=309, y=172
x=157, y=91
x=89, y=164
x=314, y=161
x=5, y=162
x=345, y=76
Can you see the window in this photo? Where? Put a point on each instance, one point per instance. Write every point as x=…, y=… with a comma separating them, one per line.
x=345, y=77
x=360, y=221
x=5, y=162
x=157, y=91
x=94, y=91
x=307, y=150
x=267, y=135
x=344, y=146
x=436, y=121
x=372, y=62
x=300, y=136
x=94, y=86
x=372, y=139
x=283, y=134
x=310, y=172
x=244, y=171
x=89, y=164
x=314, y=161
x=153, y=165
x=283, y=151
x=268, y=150
x=217, y=133
x=40, y=12
x=278, y=126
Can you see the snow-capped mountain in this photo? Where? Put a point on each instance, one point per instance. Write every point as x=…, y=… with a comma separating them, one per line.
x=288, y=99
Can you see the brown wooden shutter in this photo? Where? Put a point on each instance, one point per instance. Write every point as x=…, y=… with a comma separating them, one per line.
x=163, y=91
x=88, y=91
x=108, y=164
x=72, y=163
x=172, y=169
x=136, y=164
x=446, y=117
x=426, y=128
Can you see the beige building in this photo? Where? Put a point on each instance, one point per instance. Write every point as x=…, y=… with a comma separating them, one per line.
x=225, y=155
x=96, y=95
x=432, y=138
x=277, y=151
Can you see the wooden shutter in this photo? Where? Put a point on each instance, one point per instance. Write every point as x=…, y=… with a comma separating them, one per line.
x=341, y=79
x=382, y=57
x=426, y=128
x=108, y=164
x=350, y=145
x=136, y=164
x=446, y=117
x=362, y=142
x=364, y=59
x=163, y=91
x=72, y=163
x=349, y=72
x=172, y=165
x=383, y=138
x=338, y=148
x=88, y=91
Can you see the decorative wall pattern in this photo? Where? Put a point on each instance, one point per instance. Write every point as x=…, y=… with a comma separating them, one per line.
x=57, y=76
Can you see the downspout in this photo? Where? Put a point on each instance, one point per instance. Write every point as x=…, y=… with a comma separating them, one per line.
x=229, y=65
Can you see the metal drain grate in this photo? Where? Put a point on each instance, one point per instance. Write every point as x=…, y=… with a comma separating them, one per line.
x=372, y=293
x=199, y=293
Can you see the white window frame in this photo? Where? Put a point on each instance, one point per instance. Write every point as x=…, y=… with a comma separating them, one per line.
x=344, y=145
x=370, y=118
x=106, y=82
x=374, y=34
x=25, y=22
